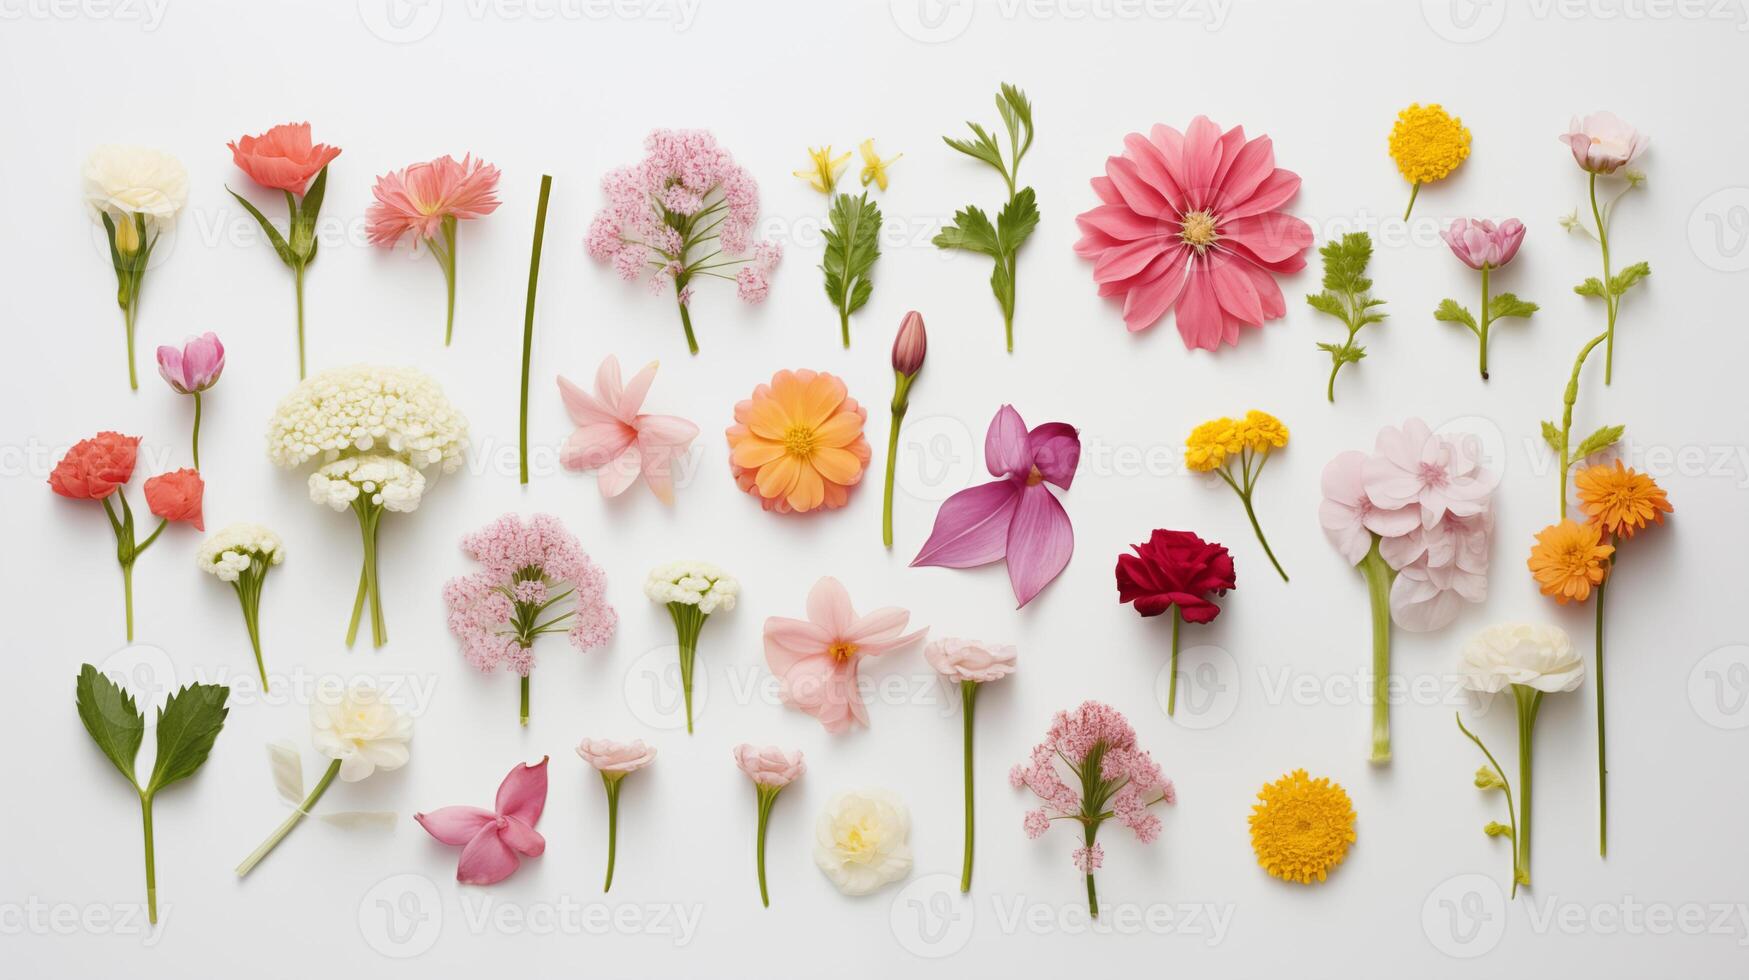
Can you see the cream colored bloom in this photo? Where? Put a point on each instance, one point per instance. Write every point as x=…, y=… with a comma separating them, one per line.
x=1534, y=655
x=694, y=583
x=862, y=841
x=362, y=730
x=386, y=480
x=122, y=181
x=229, y=551
x=391, y=411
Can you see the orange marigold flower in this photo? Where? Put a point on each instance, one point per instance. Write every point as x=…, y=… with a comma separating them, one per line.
x=797, y=444
x=1620, y=500
x=1569, y=559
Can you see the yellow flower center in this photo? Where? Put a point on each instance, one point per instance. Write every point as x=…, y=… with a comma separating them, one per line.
x=842, y=650
x=1198, y=231
x=1034, y=478
x=800, y=441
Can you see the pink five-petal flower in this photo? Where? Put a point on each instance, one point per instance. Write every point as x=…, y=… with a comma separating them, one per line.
x=491, y=839
x=815, y=660
x=1016, y=518
x=1348, y=518
x=1191, y=220
x=418, y=198
x=1413, y=465
x=195, y=366
x=616, y=440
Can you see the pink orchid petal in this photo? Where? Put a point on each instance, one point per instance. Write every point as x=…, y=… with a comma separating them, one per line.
x=523, y=794
x=1040, y=541
x=790, y=641
x=609, y=389
x=1055, y=448
x=1005, y=444
x=632, y=398
x=583, y=407
x=971, y=528
x=664, y=430
x=829, y=607
x=622, y=471
x=486, y=860
x=522, y=838
x=455, y=825
x=594, y=444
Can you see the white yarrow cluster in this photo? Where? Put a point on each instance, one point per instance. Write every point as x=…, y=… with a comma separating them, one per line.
x=694, y=583
x=387, y=411
x=385, y=480
x=229, y=551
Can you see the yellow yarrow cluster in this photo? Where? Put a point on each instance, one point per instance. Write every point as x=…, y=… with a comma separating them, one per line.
x=1302, y=827
x=1428, y=143
x=1213, y=441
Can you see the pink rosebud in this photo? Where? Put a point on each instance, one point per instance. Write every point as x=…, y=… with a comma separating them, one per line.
x=769, y=766
x=196, y=367
x=1481, y=244
x=616, y=758
x=1602, y=143
x=969, y=660
x=910, y=346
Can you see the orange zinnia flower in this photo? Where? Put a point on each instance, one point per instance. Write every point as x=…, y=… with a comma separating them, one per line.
x=797, y=444
x=1620, y=500
x=1569, y=559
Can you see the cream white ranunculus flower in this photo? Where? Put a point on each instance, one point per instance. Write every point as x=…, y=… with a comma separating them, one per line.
x=1537, y=656
x=122, y=181
x=862, y=841
x=361, y=729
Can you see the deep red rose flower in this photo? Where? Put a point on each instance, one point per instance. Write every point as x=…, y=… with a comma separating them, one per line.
x=94, y=467
x=1175, y=568
x=176, y=496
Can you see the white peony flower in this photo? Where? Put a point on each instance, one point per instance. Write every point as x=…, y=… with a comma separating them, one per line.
x=861, y=841
x=384, y=480
x=362, y=730
x=1536, y=656
x=388, y=412
x=122, y=181
x=693, y=583
x=230, y=551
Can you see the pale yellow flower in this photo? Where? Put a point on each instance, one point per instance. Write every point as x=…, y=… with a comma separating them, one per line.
x=873, y=167
x=823, y=169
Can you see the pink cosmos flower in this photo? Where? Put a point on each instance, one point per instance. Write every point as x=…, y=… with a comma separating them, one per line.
x=815, y=660
x=418, y=198
x=616, y=440
x=1016, y=517
x=1602, y=143
x=491, y=839
x=196, y=366
x=1481, y=244
x=1412, y=465
x=1191, y=220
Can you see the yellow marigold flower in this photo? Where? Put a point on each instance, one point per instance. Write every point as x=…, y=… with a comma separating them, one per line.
x=1260, y=432
x=823, y=169
x=1210, y=443
x=874, y=169
x=1569, y=560
x=1428, y=143
x=1620, y=500
x=1301, y=828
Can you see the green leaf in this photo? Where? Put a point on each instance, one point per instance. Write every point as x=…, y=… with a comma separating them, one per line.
x=1344, y=353
x=1450, y=312
x=303, y=228
x=971, y=230
x=984, y=148
x=1002, y=284
x=853, y=244
x=273, y=235
x=1328, y=303
x=188, y=724
x=112, y=719
x=1013, y=104
x=1552, y=435
x=1590, y=287
x=1627, y=278
x=1598, y=441
x=1506, y=304
x=1345, y=262
x=1016, y=221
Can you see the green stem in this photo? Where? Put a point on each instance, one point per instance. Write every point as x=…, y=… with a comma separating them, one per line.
x=767, y=796
x=195, y=442
x=844, y=326
x=1609, y=297
x=368, y=517
x=1330, y=389
x=1414, y=191
x=1569, y=398
x=1090, y=830
x=686, y=324
x=249, y=595
x=1252, y=514
x=1485, y=323
x=446, y=259
x=127, y=594
x=968, y=701
x=901, y=402
x=523, y=715
x=688, y=621
x=612, y=783
x=151, y=861
x=540, y=230
x=1528, y=699
x=127, y=317
x=298, y=286
x=1506, y=786
x=1378, y=587
x=296, y=817
x=1602, y=769
x=1172, y=670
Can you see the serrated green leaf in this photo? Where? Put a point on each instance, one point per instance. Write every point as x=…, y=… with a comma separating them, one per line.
x=1016, y=103
x=1016, y=221
x=1627, y=278
x=852, y=246
x=111, y=718
x=1450, y=312
x=187, y=726
x=1002, y=284
x=1552, y=435
x=1598, y=441
x=273, y=235
x=1345, y=261
x=1506, y=304
x=1590, y=287
x=971, y=230
x=1328, y=303
x=982, y=149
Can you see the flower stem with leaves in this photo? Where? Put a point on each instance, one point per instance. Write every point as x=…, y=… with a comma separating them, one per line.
x=296, y=248
x=1347, y=296
x=1494, y=307
x=1613, y=284
x=1560, y=439
x=853, y=243
x=971, y=229
x=1492, y=776
x=540, y=231
x=130, y=250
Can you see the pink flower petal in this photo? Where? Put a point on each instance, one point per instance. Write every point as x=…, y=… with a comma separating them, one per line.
x=522, y=838
x=455, y=825
x=523, y=794
x=620, y=472
x=1199, y=313
x=486, y=860
x=790, y=641
x=971, y=528
x=829, y=607
x=1040, y=541
x=632, y=398
x=1005, y=444
x=583, y=407
x=1055, y=448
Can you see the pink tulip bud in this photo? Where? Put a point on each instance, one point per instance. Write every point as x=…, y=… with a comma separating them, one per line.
x=196, y=367
x=910, y=346
x=1482, y=244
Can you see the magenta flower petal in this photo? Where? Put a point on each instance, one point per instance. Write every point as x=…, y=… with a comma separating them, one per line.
x=1005, y=450
x=523, y=794
x=1040, y=541
x=971, y=528
x=1055, y=449
x=522, y=838
x=455, y=825
x=486, y=860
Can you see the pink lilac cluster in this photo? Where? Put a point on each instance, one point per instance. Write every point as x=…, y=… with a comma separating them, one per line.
x=523, y=566
x=1125, y=783
x=686, y=192
x=1427, y=500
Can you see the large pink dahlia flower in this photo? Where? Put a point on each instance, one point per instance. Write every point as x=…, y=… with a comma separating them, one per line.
x=1190, y=220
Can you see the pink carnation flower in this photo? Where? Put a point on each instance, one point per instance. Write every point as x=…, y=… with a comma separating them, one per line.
x=417, y=199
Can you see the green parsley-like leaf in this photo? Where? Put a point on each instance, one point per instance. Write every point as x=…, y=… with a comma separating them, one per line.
x=1450, y=312
x=1328, y=303
x=1507, y=304
x=111, y=718
x=983, y=148
x=1627, y=278
x=971, y=230
x=1016, y=221
x=1590, y=287
x=187, y=726
x=1598, y=441
x=1552, y=435
x=853, y=243
x=1347, y=297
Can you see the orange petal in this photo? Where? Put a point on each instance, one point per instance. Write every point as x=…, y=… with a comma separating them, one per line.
x=837, y=465
x=754, y=452
x=809, y=490
x=777, y=478
x=823, y=394
x=839, y=430
x=766, y=417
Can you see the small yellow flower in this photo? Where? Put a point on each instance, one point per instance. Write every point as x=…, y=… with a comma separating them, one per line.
x=1260, y=432
x=873, y=167
x=1210, y=443
x=1302, y=827
x=823, y=169
x=1428, y=143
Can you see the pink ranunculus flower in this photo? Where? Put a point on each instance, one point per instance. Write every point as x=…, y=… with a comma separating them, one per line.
x=1481, y=244
x=1412, y=465
x=1603, y=143
x=282, y=158
x=608, y=756
x=617, y=440
x=970, y=660
x=491, y=839
x=194, y=367
x=769, y=765
x=1348, y=518
x=815, y=660
x=1192, y=220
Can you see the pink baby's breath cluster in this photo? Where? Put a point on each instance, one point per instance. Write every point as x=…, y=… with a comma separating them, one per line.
x=498, y=611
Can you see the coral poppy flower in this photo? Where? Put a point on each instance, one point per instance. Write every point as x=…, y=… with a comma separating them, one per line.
x=1569, y=560
x=95, y=467
x=1190, y=220
x=797, y=444
x=282, y=158
x=815, y=660
x=1620, y=500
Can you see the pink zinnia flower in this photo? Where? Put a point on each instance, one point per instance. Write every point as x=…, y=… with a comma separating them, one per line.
x=491, y=839
x=1191, y=220
x=815, y=660
x=418, y=198
x=618, y=441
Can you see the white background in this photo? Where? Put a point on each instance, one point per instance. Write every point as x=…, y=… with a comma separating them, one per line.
x=571, y=90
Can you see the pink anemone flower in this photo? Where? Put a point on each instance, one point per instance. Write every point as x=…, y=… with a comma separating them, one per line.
x=1190, y=220
x=815, y=659
x=618, y=441
x=491, y=839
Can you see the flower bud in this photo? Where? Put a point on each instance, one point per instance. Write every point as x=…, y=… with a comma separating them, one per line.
x=1487, y=778
x=1497, y=829
x=910, y=345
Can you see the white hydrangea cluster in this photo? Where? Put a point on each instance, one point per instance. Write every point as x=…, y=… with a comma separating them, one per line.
x=229, y=551
x=365, y=409
x=694, y=583
x=388, y=481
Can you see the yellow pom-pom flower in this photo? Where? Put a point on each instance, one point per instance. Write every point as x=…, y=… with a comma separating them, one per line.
x=1301, y=827
x=1428, y=143
x=1235, y=450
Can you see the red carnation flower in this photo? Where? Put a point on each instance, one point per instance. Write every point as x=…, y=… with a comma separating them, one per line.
x=1175, y=568
x=176, y=496
x=95, y=467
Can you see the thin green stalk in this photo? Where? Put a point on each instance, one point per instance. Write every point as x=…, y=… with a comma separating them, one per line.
x=1506, y=786
x=1602, y=769
x=285, y=828
x=1172, y=679
x=368, y=517
x=446, y=259
x=1252, y=514
x=540, y=230
x=1090, y=829
x=968, y=701
x=249, y=596
x=127, y=593
x=686, y=319
x=1378, y=587
x=901, y=403
x=767, y=796
x=1528, y=700
x=1569, y=398
x=298, y=286
x=1414, y=191
x=688, y=621
x=523, y=714
x=1609, y=297
x=151, y=864
x=195, y=442
x=612, y=782
x=1485, y=324
x=127, y=317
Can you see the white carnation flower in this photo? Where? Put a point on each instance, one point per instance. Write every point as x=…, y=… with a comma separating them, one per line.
x=693, y=583
x=362, y=730
x=862, y=841
x=385, y=481
x=385, y=411
x=1536, y=656
x=122, y=181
